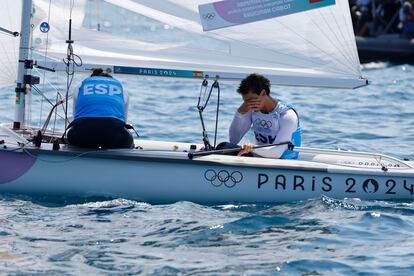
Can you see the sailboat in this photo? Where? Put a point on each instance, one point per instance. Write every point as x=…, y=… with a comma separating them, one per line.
x=292, y=42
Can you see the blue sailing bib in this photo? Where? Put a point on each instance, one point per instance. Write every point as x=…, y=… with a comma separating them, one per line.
x=101, y=97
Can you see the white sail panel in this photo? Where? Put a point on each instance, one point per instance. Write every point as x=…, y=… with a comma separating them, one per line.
x=10, y=19
x=316, y=45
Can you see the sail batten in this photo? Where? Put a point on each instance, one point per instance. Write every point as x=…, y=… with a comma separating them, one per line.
x=338, y=67
x=317, y=44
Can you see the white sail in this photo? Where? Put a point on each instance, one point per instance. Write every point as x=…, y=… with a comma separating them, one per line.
x=10, y=19
x=311, y=48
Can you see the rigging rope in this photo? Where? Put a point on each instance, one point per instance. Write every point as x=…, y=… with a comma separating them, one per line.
x=46, y=55
x=70, y=61
x=200, y=107
x=203, y=100
x=29, y=95
x=217, y=85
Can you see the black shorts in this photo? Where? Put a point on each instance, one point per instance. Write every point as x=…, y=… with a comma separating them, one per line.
x=94, y=132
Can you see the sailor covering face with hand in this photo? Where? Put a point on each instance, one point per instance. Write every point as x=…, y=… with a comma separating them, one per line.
x=272, y=120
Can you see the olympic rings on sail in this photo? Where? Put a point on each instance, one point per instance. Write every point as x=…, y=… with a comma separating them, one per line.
x=217, y=179
x=263, y=123
x=209, y=16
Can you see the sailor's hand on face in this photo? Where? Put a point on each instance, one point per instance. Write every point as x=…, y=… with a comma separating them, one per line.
x=244, y=108
x=246, y=148
x=254, y=104
x=250, y=105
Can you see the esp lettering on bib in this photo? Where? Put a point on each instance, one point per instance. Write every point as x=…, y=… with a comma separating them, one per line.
x=101, y=89
x=100, y=97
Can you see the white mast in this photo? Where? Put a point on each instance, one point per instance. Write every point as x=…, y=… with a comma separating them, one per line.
x=22, y=88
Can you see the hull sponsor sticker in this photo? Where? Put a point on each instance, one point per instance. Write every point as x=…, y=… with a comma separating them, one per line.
x=227, y=13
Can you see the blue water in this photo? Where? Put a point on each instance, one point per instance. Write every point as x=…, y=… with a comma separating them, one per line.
x=317, y=237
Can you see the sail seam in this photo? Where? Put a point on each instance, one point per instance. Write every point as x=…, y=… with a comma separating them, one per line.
x=339, y=48
x=345, y=71
x=15, y=43
x=334, y=70
x=348, y=41
x=344, y=60
x=352, y=35
x=12, y=69
x=352, y=49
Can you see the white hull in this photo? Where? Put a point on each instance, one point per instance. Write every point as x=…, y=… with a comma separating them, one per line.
x=168, y=175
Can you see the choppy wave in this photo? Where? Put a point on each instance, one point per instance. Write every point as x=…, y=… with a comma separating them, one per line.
x=315, y=237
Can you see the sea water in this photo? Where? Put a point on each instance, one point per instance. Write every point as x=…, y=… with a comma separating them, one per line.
x=323, y=236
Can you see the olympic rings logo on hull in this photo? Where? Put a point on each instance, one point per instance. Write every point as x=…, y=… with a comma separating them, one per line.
x=223, y=177
x=263, y=123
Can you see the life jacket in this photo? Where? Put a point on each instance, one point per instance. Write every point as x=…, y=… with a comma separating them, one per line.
x=101, y=97
x=266, y=128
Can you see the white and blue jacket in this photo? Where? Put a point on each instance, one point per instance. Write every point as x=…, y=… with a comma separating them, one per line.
x=278, y=126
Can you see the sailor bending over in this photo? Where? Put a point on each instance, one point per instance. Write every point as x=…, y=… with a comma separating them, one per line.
x=100, y=111
x=272, y=120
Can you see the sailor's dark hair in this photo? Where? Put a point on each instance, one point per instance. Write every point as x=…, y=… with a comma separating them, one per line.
x=99, y=72
x=255, y=83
